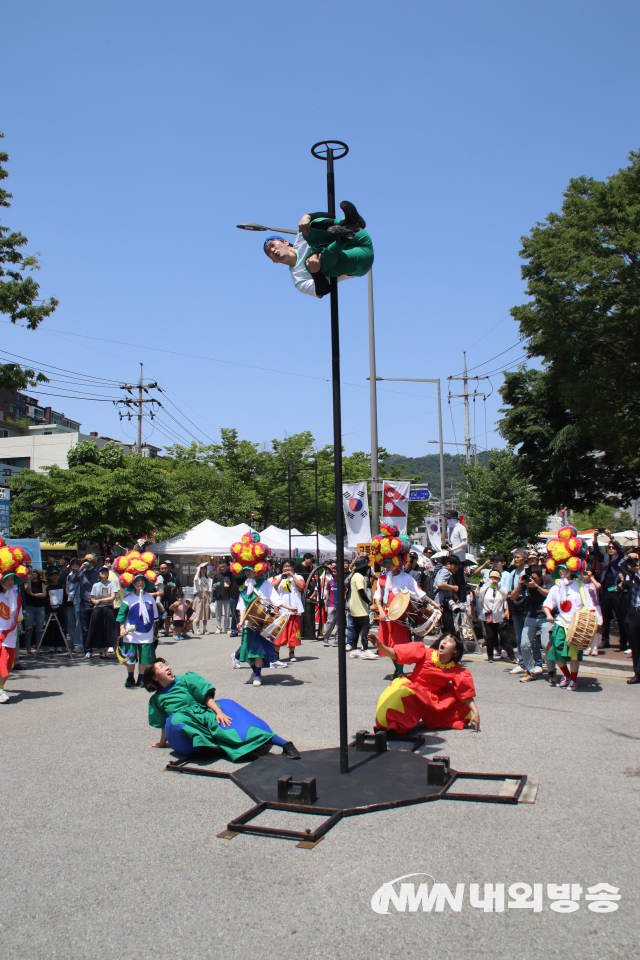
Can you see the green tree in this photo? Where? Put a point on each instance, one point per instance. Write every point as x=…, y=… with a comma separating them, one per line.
x=577, y=422
x=603, y=515
x=94, y=502
x=18, y=294
x=501, y=508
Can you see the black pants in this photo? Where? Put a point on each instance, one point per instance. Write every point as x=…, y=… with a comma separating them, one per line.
x=634, y=639
x=361, y=628
x=447, y=620
x=610, y=606
x=497, y=635
x=85, y=619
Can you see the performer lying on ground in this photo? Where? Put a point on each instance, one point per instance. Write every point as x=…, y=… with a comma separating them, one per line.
x=439, y=691
x=185, y=709
x=325, y=247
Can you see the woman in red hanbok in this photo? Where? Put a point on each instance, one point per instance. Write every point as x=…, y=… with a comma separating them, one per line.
x=439, y=691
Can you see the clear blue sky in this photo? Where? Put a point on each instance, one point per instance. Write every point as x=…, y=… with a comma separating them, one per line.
x=141, y=133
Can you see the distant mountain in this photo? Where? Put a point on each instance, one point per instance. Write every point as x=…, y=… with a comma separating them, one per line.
x=428, y=468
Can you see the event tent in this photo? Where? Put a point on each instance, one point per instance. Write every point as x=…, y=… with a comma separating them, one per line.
x=213, y=540
x=278, y=540
x=207, y=539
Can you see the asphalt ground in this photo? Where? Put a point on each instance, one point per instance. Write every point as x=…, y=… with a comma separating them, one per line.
x=105, y=855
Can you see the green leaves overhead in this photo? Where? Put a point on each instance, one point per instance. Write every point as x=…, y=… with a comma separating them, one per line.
x=501, y=508
x=576, y=424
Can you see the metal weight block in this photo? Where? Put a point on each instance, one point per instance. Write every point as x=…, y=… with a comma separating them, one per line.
x=371, y=742
x=297, y=791
x=438, y=771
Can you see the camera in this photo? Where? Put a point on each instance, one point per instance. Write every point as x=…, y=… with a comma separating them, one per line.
x=525, y=578
x=602, y=529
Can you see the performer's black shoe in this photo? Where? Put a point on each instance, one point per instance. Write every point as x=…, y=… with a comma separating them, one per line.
x=351, y=215
x=290, y=751
x=140, y=682
x=129, y=682
x=634, y=680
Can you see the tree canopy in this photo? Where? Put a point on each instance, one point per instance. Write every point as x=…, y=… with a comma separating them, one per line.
x=105, y=495
x=603, y=515
x=502, y=510
x=101, y=497
x=576, y=423
x=18, y=294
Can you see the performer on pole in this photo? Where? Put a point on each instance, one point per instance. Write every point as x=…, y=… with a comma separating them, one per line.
x=185, y=709
x=289, y=588
x=137, y=614
x=391, y=550
x=439, y=691
x=250, y=560
x=13, y=567
x=324, y=247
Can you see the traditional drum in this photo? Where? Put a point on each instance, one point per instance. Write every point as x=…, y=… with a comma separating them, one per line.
x=267, y=619
x=582, y=629
x=403, y=609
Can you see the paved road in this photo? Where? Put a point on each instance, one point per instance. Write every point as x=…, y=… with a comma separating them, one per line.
x=104, y=855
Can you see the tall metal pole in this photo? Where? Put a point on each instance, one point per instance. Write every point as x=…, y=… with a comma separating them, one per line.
x=337, y=459
x=140, y=412
x=443, y=517
x=443, y=514
x=289, y=494
x=467, y=431
x=317, y=517
x=373, y=403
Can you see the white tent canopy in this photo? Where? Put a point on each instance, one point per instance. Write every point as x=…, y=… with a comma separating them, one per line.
x=278, y=540
x=213, y=540
x=207, y=538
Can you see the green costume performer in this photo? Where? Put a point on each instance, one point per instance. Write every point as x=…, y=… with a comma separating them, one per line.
x=253, y=646
x=186, y=711
x=339, y=257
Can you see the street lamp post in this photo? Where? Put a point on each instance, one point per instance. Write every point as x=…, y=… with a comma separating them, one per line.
x=443, y=519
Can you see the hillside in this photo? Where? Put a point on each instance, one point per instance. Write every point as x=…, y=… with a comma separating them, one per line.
x=428, y=468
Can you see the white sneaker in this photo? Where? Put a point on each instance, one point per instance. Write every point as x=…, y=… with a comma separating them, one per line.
x=87, y=656
x=110, y=650
x=503, y=655
x=369, y=655
x=292, y=660
x=517, y=669
x=537, y=670
x=257, y=683
x=279, y=664
x=4, y=697
x=355, y=654
x=236, y=663
x=161, y=641
x=325, y=643
x=348, y=648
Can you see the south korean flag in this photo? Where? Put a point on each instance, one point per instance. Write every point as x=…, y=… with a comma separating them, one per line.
x=355, y=502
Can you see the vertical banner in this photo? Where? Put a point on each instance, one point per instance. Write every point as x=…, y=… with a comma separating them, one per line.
x=355, y=502
x=395, y=503
x=5, y=512
x=433, y=530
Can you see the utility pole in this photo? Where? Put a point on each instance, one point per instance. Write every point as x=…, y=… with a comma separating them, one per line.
x=373, y=404
x=141, y=387
x=465, y=396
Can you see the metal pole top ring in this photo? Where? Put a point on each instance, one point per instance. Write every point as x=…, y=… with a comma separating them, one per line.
x=329, y=145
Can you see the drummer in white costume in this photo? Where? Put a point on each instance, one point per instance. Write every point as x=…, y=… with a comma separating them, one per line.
x=289, y=589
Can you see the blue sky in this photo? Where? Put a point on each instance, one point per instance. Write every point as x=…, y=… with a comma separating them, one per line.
x=141, y=133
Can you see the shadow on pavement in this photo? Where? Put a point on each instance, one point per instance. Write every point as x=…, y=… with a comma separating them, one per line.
x=32, y=695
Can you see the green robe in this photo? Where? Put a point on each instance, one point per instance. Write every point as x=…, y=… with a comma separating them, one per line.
x=184, y=701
